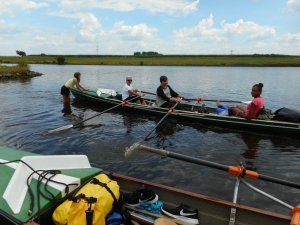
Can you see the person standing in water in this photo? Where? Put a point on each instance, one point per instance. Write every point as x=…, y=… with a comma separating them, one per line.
x=65, y=89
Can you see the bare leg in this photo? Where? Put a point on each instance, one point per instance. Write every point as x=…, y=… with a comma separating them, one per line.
x=235, y=111
x=241, y=108
x=66, y=98
x=138, y=102
x=144, y=103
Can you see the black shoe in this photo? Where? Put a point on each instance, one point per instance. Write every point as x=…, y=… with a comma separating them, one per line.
x=140, y=195
x=148, y=196
x=183, y=213
x=132, y=199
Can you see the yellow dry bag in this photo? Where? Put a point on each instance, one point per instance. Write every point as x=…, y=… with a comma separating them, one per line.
x=90, y=204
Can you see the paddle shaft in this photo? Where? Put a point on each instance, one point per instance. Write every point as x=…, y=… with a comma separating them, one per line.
x=102, y=112
x=212, y=100
x=248, y=174
x=160, y=121
x=195, y=99
x=148, y=93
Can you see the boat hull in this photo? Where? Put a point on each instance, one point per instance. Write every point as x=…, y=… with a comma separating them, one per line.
x=263, y=126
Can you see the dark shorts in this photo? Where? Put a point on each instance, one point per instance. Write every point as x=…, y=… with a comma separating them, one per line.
x=134, y=100
x=65, y=91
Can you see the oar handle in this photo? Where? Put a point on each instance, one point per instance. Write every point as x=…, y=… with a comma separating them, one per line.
x=238, y=171
x=184, y=158
x=210, y=100
x=154, y=150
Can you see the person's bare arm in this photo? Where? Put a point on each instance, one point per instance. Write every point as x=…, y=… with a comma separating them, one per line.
x=251, y=112
x=134, y=92
x=80, y=88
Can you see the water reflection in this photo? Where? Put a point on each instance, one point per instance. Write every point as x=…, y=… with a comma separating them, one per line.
x=252, y=143
x=128, y=122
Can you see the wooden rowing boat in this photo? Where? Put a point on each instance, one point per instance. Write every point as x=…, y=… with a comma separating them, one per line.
x=211, y=210
x=265, y=126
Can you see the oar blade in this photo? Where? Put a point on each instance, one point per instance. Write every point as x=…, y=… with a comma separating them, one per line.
x=246, y=102
x=60, y=129
x=131, y=149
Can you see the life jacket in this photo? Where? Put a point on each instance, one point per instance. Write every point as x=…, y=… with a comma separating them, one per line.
x=90, y=204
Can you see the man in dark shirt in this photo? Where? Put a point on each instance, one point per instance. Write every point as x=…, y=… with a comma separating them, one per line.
x=166, y=97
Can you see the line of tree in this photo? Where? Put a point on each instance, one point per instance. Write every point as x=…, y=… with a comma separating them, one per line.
x=172, y=55
x=146, y=53
x=21, y=53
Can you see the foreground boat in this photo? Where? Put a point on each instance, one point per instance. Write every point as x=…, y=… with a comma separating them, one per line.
x=211, y=210
x=266, y=126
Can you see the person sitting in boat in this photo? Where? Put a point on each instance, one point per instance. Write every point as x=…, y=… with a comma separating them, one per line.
x=253, y=107
x=65, y=89
x=166, y=97
x=130, y=93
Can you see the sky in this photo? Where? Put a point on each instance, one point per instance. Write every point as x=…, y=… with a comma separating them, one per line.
x=122, y=27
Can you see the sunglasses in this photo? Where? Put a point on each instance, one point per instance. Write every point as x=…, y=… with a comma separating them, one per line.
x=129, y=80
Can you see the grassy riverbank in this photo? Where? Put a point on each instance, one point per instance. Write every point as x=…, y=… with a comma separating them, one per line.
x=21, y=68
x=163, y=60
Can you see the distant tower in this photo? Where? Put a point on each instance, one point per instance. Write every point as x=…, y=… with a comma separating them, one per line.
x=231, y=51
x=97, y=49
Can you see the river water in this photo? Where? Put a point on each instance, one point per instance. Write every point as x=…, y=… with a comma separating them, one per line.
x=31, y=107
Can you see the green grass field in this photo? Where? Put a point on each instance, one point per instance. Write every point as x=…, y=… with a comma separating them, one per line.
x=21, y=68
x=165, y=60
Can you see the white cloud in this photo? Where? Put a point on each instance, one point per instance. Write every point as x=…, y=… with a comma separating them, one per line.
x=293, y=5
x=256, y=31
x=39, y=38
x=260, y=44
x=8, y=28
x=89, y=25
x=89, y=28
x=136, y=32
x=288, y=37
x=13, y=6
x=190, y=8
x=153, y=6
x=205, y=31
x=89, y=22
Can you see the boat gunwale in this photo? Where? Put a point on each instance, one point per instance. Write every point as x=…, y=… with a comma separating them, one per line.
x=198, y=196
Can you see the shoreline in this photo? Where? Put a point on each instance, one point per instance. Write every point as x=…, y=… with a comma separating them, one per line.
x=28, y=74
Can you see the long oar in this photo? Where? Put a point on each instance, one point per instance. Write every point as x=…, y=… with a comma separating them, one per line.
x=136, y=145
x=213, y=100
x=74, y=125
x=148, y=93
x=239, y=171
x=202, y=99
